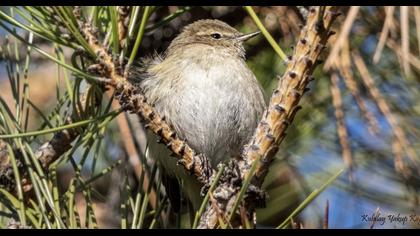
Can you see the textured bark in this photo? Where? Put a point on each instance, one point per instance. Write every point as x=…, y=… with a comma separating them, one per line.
x=276, y=119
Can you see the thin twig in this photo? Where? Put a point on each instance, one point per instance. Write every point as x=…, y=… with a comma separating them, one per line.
x=405, y=39
x=341, y=125
x=344, y=66
x=399, y=164
x=345, y=31
x=384, y=33
x=417, y=17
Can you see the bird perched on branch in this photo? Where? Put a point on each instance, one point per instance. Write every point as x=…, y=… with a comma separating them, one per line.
x=203, y=87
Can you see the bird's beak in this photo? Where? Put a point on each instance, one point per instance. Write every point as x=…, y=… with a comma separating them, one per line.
x=245, y=37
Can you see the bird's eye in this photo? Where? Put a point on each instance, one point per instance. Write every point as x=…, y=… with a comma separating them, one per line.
x=216, y=36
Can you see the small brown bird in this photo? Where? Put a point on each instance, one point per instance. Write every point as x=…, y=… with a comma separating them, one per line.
x=204, y=88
